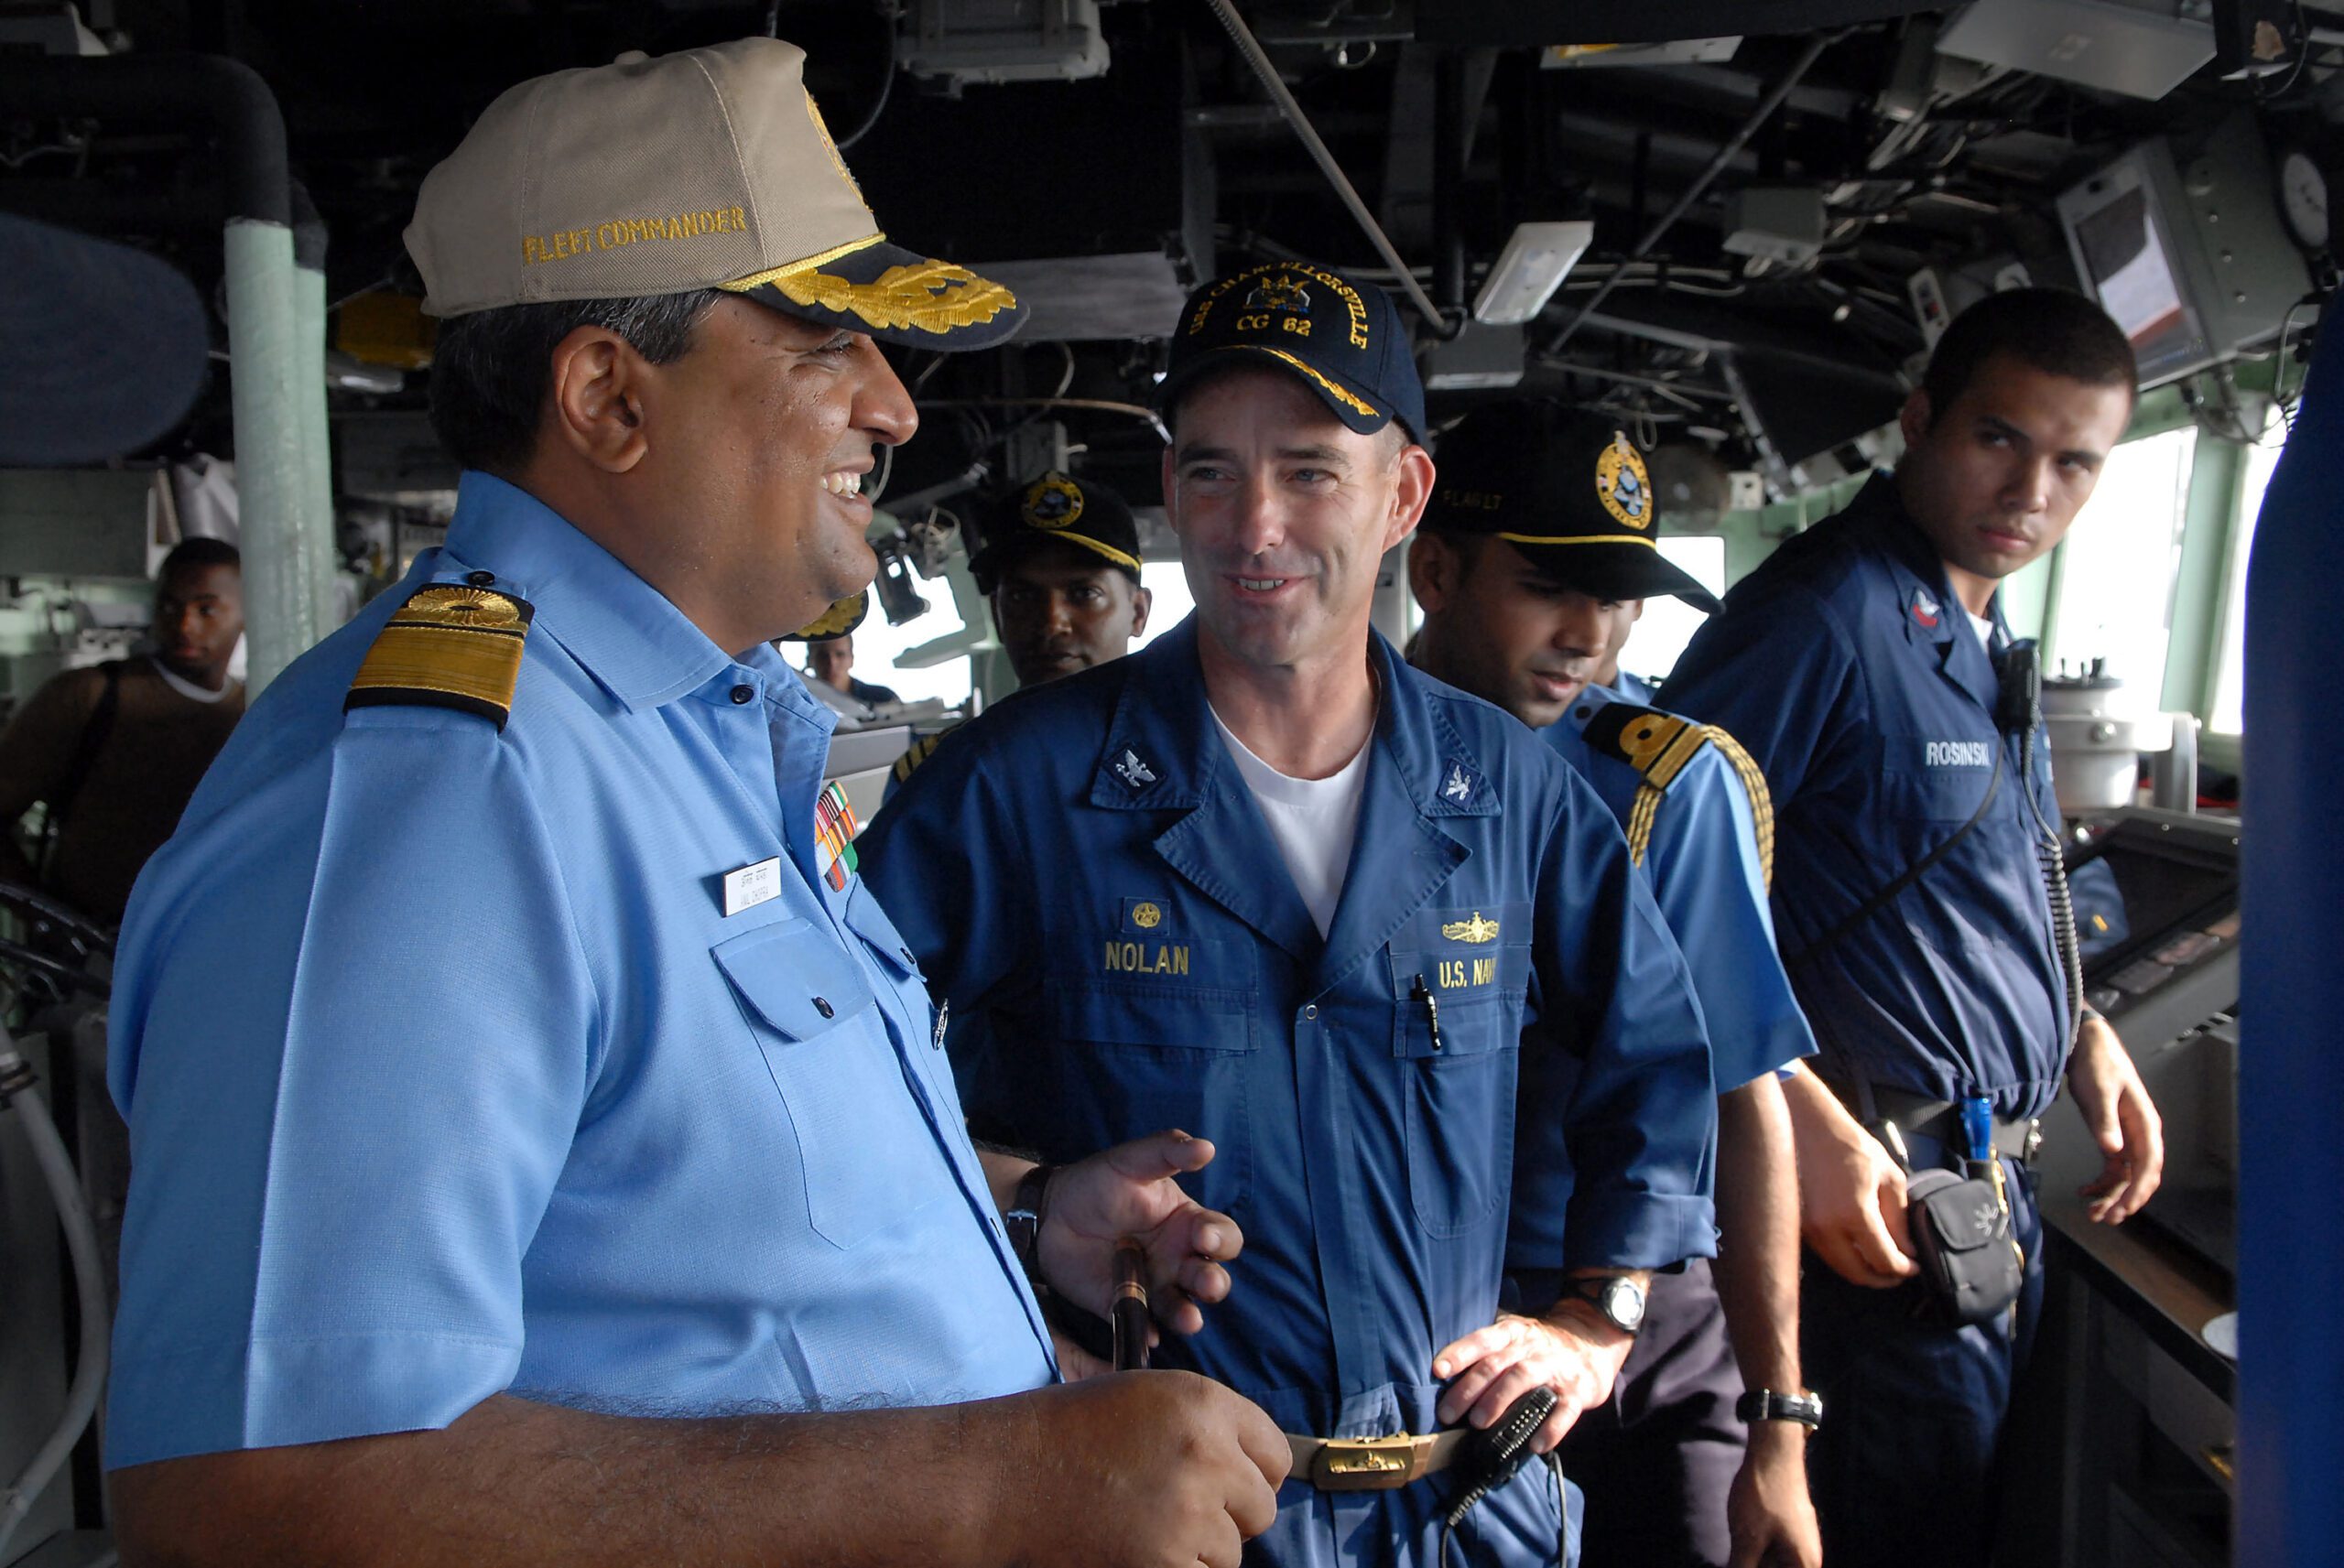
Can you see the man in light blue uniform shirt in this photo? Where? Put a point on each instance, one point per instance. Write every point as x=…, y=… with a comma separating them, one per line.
x=1862, y=666
x=1536, y=545
x=1265, y=880
x=544, y=1148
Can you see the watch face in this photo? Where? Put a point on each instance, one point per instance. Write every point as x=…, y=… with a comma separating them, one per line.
x=1623, y=1303
x=2302, y=200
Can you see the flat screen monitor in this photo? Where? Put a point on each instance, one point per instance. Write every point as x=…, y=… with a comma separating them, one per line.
x=2122, y=237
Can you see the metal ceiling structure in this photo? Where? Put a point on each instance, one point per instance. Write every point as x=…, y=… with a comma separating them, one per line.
x=1143, y=153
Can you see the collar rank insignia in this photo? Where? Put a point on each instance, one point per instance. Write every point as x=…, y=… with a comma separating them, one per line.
x=1476, y=930
x=1926, y=609
x=450, y=645
x=1460, y=785
x=1134, y=774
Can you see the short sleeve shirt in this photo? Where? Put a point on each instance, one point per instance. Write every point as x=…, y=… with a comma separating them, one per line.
x=448, y=1073
x=1702, y=857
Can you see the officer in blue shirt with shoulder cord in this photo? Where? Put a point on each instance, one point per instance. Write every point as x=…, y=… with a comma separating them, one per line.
x=542, y=1150
x=1267, y=881
x=1537, y=543
x=1917, y=834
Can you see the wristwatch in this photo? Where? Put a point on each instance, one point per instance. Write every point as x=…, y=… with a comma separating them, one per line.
x=1619, y=1298
x=1805, y=1407
x=1026, y=1210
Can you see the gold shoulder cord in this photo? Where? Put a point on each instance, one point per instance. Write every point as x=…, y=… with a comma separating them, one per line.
x=1762, y=801
x=1640, y=820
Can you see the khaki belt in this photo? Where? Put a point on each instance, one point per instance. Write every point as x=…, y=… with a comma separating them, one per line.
x=1372, y=1463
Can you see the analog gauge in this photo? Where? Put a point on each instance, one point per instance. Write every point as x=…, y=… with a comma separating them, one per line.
x=2302, y=200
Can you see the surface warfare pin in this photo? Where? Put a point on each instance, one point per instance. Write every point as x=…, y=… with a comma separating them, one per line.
x=1136, y=773
x=1926, y=609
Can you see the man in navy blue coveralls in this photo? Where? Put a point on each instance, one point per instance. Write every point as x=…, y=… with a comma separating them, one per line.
x=1860, y=666
x=1265, y=881
x=1537, y=548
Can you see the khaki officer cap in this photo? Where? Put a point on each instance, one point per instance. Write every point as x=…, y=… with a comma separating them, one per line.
x=711, y=169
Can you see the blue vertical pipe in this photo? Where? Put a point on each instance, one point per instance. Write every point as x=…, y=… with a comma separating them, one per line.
x=2291, y=1053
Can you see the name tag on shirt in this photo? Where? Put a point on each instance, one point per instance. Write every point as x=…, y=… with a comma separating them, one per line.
x=752, y=885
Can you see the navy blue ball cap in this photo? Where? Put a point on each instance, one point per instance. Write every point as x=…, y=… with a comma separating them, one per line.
x=1056, y=508
x=1568, y=489
x=1344, y=340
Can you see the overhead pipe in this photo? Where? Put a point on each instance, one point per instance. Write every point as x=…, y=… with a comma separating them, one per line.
x=1759, y=115
x=1460, y=89
x=1449, y=185
x=1251, y=48
x=321, y=549
x=276, y=368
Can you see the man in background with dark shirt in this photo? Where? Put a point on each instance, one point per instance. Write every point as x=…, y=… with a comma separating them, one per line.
x=831, y=662
x=115, y=750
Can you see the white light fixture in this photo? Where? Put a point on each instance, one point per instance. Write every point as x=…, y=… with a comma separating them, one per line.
x=1531, y=268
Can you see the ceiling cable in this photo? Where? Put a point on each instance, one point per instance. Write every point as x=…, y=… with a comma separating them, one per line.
x=1254, y=55
x=1759, y=115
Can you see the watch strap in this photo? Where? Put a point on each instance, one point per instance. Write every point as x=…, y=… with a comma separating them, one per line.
x=1805, y=1407
x=1028, y=1207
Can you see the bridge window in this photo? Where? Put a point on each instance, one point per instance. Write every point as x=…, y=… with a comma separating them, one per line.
x=1165, y=580
x=2228, y=715
x=877, y=645
x=2117, y=570
x=1668, y=625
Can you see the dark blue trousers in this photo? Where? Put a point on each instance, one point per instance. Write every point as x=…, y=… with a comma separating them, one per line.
x=1658, y=1459
x=1903, y=1468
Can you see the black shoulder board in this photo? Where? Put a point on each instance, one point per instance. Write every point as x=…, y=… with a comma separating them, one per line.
x=1656, y=744
x=449, y=646
x=921, y=749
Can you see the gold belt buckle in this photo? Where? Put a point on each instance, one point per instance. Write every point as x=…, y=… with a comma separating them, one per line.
x=1366, y=1463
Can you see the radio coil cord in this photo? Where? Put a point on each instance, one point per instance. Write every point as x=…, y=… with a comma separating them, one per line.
x=2051, y=849
x=2020, y=709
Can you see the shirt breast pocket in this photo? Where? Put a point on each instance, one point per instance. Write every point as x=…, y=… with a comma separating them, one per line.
x=867, y=1153
x=1135, y=1056
x=1937, y=782
x=1457, y=1030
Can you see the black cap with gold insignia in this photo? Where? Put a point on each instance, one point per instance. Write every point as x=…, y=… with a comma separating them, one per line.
x=1082, y=514
x=1343, y=339
x=1568, y=489
x=450, y=645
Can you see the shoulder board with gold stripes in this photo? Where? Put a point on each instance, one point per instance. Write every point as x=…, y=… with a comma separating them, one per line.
x=1656, y=744
x=921, y=749
x=449, y=646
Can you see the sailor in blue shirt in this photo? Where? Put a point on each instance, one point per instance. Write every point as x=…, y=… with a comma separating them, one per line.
x=1535, y=552
x=1626, y=687
x=1060, y=570
x=1263, y=880
x=1860, y=666
x=504, y=1037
